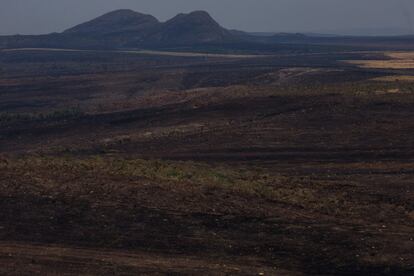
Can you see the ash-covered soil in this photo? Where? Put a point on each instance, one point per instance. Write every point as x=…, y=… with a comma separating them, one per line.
x=281, y=166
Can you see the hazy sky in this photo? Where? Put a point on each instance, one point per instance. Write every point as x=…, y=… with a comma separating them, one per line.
x=330, y=16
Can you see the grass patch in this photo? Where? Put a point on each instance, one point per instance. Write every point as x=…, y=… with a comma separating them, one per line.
x=71, y=113
x=107, y=175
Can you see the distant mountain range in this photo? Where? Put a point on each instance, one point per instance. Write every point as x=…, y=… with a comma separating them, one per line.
x=130, y=29
x=136, y=29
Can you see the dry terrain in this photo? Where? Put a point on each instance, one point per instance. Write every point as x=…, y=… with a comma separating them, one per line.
x=148, y=164
x=391, y=60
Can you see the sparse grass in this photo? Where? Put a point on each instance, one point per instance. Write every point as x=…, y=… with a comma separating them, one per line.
x=56, y=174
x=186, y=185
x=154, y=170
x=404, y=78
x=70, y=113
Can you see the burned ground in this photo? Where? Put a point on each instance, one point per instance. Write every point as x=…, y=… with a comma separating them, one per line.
x=283, y=165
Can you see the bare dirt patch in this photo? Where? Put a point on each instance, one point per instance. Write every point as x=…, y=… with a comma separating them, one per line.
x=404, y=78
x=392, y=60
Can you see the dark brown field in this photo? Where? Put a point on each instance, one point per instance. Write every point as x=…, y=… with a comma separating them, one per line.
x=146, y=164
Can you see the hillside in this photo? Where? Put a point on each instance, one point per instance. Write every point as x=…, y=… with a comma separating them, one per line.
x=123, y=163
x=127, y=28
x=195, y=27
x=136, y=29
x=116, y=22
x=122, y=29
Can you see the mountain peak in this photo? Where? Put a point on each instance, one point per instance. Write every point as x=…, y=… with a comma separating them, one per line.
x=118, y=21
x=201, y=17
x=133, y=29
x=122, y=12
x=191, y=28
x=200, y=13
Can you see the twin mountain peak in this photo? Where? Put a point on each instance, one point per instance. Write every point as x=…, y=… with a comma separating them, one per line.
x=194, y=27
